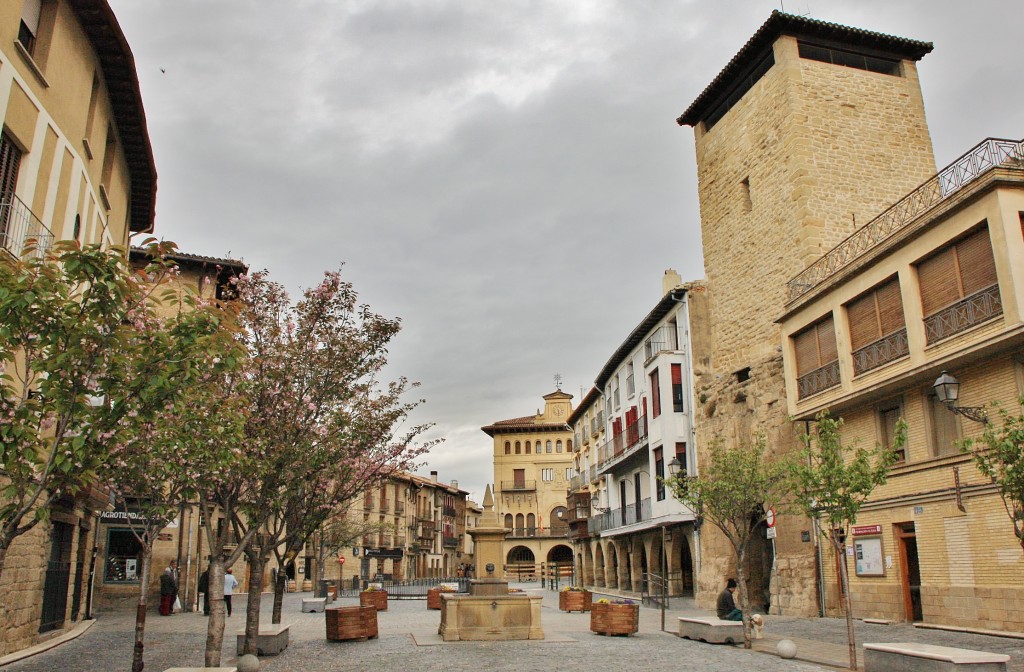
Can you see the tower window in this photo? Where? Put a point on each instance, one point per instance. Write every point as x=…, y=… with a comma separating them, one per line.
x=849, y=59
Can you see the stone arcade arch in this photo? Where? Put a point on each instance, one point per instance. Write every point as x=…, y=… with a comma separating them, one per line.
x=612, y=566
x=599, y=575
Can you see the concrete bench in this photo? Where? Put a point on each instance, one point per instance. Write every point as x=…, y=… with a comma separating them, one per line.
x=710, y=629
x=272, y=640
x=201, y=669
x=911, y=657
x=312, y=605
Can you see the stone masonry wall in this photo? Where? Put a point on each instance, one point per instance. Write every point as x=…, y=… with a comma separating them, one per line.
x=811, y=151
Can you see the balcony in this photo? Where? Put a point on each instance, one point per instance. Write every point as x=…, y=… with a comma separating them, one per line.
x=450, y=542
x=518, y=486
x=449, y=511
x=818, y=380
x=884, y=350
x=597, y=423
x=19, y=225
x=979, y=307
x=987, y=155
x=663, y=338
x=545, y=532
x=399, y=507
x=592, y=475
x=399, y=542
x=384, y=506
x=627, y=515
x=632, y=439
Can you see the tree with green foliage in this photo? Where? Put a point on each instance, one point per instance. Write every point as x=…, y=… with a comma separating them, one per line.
x=999, y=454
x=72, y=322
x=832, y=482
x=735, y=488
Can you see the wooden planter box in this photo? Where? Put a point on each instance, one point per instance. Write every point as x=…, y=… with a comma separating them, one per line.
x=575, y=600
x=434, y=598
x=349, y=623
x=614, y=619
x=374, y=598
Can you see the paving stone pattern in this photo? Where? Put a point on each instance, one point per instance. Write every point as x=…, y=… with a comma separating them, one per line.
x=408, y=640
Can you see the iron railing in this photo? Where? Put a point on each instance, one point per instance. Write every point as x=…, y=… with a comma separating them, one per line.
x=989, y=154
x=521, y=486
x=592, y=474
x=627, y=515
x=818, y=380
x=974, y=309
x=628, y=442
x=559, y=531
x=663, y=338
x=886, y=349
x=19, y=226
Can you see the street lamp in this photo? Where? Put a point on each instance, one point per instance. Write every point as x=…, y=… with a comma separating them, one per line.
x=674, y=467
x=594, y=501
x=947, y=390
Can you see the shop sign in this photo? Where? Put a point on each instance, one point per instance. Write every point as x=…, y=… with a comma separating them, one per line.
x=395, y=553
x=122, y=517
x=866, y=530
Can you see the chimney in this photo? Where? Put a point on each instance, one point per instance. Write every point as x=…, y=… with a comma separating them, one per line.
x=433, y=476
x=670, y=281
x=455, y=484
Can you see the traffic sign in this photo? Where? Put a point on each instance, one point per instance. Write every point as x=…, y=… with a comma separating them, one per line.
x=771, y=532
x=769, y=517
x=341, y=560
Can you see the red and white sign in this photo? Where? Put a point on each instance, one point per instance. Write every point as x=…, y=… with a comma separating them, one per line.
x=769, y=517
x=866, y=530
x=341, y=560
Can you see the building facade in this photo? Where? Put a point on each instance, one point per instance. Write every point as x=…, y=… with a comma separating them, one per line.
x=75, y=164
x=644, y=397
x=810, y=130
x=933, y=284
x=533, y=467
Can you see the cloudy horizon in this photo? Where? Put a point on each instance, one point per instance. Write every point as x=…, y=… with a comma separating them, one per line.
x=507, y=178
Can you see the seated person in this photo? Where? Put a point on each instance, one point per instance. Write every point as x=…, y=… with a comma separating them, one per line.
x=727, y=610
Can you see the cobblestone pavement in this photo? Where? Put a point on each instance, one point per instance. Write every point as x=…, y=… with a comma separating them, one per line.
x=408, y=640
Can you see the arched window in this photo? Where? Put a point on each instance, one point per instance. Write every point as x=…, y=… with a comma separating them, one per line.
x=547, y=446
x=508, y=521
x=508, y=448
x=520, y=525
x=558, y=446
x=519, y=447
x=527, y=447
x=531, y=525
x=568, y=445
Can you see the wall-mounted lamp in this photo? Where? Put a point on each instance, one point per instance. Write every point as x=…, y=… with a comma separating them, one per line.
x=947, y=389
x=674, y=467
x=594, y=501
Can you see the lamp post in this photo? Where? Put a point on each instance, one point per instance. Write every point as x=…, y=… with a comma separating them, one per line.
x=947, y=390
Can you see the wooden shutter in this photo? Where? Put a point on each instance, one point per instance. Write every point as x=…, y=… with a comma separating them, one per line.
x=677, y=374
x=890, y=307
x=827, y=341
x=977, y=266
x=10, y=159
x=863, y=316
x=655, y=394
x=940, y=284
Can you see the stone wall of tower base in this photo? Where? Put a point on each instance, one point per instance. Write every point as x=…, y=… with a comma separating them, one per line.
x=733, y=408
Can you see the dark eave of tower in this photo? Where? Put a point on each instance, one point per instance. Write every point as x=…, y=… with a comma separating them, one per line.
x=779, y=24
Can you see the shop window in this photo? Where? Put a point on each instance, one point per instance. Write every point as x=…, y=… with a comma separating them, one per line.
x=124, y=557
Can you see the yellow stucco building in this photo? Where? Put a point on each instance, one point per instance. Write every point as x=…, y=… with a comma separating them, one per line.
x=75, y=164
x=533, y=469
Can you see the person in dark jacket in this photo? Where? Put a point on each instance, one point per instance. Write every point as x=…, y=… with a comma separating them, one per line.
x=168, y=588
x=727, y=610
x=204, y=588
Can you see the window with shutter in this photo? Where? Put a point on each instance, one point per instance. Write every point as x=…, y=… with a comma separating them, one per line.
x=878, y=332
x=817, y=358
x=655, y=394
x=959, y=287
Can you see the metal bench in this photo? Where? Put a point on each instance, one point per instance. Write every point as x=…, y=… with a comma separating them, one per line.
x=911, y=657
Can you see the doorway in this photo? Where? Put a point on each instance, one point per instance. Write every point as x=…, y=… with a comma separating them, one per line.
x=910, y=571
x=58, y=577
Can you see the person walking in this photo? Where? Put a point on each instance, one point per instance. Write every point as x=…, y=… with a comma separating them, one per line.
x=168, y=588
x=726, y=607
x=204, y=588
x=230, y=583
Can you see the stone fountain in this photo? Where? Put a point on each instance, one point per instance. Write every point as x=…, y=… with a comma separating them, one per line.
x=489, y=612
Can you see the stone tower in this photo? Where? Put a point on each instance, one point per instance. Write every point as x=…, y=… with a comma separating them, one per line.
x=810, y=131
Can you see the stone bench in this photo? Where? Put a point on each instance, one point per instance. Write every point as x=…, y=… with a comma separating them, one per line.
x=272, y=640
x=312, y=605
x=710, y=629
x=201, y=669
x=910, y=657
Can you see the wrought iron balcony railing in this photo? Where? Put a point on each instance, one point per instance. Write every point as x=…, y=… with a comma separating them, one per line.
x=19, y=226
x=628, y=442
x=818, y=380
x=518, y=486
x=627, y=515
x=974, y=309
x=990, y=153
x=886, y=349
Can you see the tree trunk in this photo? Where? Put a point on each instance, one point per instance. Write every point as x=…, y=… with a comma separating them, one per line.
x=844, y=579
x=741, y=578
x=215, y=627
x=140, y=610
x=5, y=627
x=252, y=606
x=279, y=586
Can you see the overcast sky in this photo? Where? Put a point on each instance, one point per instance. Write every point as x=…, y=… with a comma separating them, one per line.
x=506, y=176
